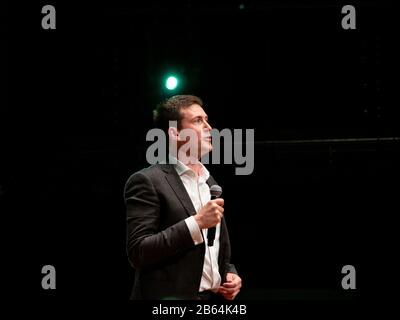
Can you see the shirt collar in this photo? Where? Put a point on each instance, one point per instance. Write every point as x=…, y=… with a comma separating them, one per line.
x=182, y=168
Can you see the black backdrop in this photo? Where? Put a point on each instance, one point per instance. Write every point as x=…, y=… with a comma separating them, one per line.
x=80, y=102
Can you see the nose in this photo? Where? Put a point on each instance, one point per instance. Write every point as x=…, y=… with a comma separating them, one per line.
x=207, y=125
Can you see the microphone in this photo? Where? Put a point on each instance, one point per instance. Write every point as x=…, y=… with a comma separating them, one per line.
x=216, y=192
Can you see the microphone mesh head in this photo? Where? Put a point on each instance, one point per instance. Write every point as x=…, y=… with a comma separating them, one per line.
x=215, y=191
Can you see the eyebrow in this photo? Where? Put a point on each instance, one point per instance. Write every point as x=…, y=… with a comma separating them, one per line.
x=205, y=117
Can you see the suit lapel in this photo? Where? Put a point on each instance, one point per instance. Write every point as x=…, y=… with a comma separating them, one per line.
x=210, y=181
x=179, y=189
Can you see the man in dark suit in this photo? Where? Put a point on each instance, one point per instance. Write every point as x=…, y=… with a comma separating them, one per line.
x=169, y=212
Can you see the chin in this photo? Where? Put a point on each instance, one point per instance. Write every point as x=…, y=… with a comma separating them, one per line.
x=206, y=148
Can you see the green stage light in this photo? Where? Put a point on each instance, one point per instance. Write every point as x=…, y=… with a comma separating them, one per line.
x=171, y=83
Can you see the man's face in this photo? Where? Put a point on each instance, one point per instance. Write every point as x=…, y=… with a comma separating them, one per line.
x=194, y=118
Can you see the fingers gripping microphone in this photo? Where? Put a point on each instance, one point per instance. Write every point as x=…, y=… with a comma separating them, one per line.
x=216, y=192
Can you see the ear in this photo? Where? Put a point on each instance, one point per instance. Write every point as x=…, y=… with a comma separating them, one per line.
x=173, y=133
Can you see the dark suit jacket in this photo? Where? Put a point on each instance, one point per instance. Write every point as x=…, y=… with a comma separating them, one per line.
x=167, y=263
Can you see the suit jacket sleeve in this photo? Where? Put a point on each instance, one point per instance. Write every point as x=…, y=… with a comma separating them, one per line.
x=229, y=267
x=147, y=245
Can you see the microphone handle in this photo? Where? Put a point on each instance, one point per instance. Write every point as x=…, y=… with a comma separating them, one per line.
x=211, y=231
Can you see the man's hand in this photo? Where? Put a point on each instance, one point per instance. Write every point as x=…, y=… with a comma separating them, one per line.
x=210, y=214
x=231, y=287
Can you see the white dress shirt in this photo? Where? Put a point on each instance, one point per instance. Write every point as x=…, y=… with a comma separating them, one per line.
x=199, y=193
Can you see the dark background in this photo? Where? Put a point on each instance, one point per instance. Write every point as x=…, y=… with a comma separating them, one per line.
x=79, y=101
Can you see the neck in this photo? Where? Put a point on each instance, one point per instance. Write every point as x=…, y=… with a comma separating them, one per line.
x=191, y=162
x=196, y=167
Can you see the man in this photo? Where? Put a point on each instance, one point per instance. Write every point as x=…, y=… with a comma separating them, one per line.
x=169, y=212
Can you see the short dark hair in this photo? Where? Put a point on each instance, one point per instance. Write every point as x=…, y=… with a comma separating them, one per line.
x=170, y=110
